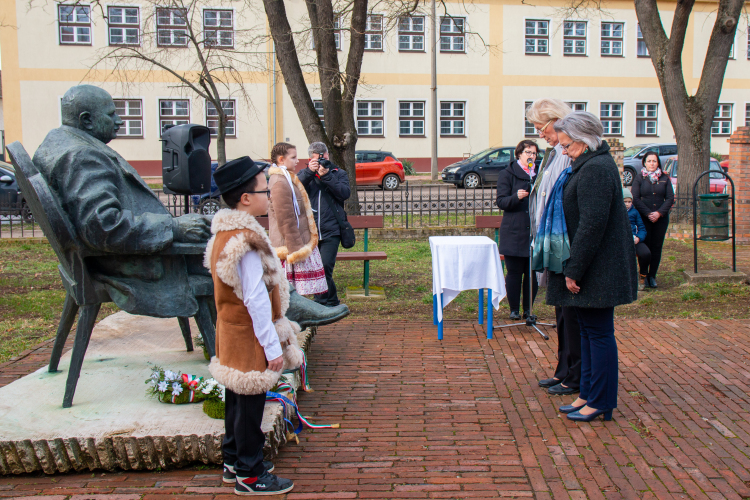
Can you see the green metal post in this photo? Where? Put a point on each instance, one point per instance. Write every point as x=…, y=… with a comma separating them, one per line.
x=367, y=271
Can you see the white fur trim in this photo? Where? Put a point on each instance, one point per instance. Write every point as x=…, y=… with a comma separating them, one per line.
x=247, y=383
x=307, y=249
x=292, y=357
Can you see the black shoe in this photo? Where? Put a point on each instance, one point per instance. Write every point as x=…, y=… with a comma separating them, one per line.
x=579, y=417
x=229, y=474
x=570, y=408
x=514, y=315
x=549, y=382
x=265, y=484
x=525, y=315
x=560, y=390
x=309, y=313
x=652, y=282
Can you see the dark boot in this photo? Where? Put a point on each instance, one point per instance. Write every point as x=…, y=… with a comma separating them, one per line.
x=309, y=313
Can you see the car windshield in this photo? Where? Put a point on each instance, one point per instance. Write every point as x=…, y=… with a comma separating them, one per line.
x=714, y=166
x=480, y=154
x=633, y=150
x=6, y=171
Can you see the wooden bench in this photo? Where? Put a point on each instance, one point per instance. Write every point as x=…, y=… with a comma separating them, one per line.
x=491, y=221
x=364, y=222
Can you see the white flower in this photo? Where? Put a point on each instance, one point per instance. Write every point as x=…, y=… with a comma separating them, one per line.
x=152, y=383
x=155, y=375
x=162, y=386
x=169, y=375
x=176, y=389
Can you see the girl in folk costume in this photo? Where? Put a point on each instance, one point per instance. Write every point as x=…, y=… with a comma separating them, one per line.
x=292, y=225
x=254, y=339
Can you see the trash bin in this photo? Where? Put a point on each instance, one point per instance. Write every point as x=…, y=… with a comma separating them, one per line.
x=714, y=216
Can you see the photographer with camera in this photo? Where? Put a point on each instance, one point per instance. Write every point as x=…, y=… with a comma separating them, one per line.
x=328, y=188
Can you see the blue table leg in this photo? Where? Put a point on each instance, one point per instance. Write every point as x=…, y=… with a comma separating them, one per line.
x=440, y=323
x=434, y=309
x=481, y=306
x=489, y=313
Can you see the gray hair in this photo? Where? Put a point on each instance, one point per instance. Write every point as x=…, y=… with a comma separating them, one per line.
x=545, y=110
x=582, y=126
x=318, y=148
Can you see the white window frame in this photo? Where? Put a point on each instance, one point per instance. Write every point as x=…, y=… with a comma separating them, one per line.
x=453, y=118
x=374, y=38
x=536, y=36
x=611, y=39
x=75, y=25
x=729, y=120
x=528, y=128
x=160, y=120
x=230, y=119
x=747, y=114
x=639, y=38
x=578, y=105
x=370, y=118
x=171, y=28
x=336, y=34
x=126, y=118
x=576, y=38
x=454, y=32
x=621, y=118
x=412, y=118
x=655, y=119
x=409, y=35
x=320, y=111
x=748, y=42
x=123, y=26
x=217, y=29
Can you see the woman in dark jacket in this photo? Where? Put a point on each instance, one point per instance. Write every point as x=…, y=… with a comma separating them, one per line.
x=601, y=271
x=653, y=197
x=513, y=186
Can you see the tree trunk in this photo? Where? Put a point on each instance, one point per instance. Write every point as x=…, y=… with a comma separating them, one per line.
x=221, y=135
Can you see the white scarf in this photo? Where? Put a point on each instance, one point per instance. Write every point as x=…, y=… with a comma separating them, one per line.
x=291, y=186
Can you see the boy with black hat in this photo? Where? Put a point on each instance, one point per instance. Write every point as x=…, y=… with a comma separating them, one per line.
x=254, y=339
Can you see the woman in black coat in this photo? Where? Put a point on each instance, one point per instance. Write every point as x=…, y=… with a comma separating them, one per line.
x=601, y=271
x=513, y=186
x=653, y=197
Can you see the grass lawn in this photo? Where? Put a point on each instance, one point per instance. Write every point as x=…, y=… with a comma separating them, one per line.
x=31, y=295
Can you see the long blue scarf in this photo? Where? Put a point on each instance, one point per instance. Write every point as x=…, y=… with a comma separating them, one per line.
x=552, y=246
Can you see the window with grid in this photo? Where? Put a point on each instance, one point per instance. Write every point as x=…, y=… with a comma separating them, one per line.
x=574, y=38
x=528, y=128
x=319, y=109
x=610, y=114
x=75, y=24
x=612, y=39
x=218, y=28
x=641, y=49
x=748, y=44
x=747, y=115
x=374, y=32
x=411, y=118
x=212, y=117
x=124, y=25
x=411, y=34
x=731, y=51
x=452, y=34
x=370, y=118
x=171, y=28
x=537, y=37
x=576, y=106
x=131, y=113
x=452, y=118
x=173, y=112
x=722, y=123
x=646, y=118
x=336, y=34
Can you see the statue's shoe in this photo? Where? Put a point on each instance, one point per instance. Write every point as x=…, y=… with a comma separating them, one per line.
x=309, y=313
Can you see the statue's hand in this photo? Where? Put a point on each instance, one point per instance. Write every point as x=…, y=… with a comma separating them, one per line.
x=191, y=228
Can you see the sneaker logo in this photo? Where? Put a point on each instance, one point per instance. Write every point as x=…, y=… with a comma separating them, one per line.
x=260, y=485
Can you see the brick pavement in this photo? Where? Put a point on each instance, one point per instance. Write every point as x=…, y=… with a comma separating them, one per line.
x=464, y=419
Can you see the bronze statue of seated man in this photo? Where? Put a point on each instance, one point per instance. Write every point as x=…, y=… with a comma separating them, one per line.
x=113, y=210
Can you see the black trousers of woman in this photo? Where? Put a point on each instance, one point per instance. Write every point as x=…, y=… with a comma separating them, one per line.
x=655, y=233
x=568, y=370
x=644, y=256
x=516, y=279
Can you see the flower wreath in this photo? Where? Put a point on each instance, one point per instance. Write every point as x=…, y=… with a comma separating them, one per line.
x=180, y=388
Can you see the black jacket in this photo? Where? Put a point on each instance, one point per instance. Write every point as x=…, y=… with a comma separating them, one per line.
x=649, y=197
x=602, y=254
x=337, y=183
x=514, y=230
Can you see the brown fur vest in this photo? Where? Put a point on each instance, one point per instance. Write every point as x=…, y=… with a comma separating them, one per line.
x=240, y=363
x=293, y=244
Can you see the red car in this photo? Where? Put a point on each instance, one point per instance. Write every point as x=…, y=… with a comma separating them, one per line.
x=379, y=168
x=718, y=183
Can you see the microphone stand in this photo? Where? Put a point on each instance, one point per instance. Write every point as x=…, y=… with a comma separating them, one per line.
x=531, y=318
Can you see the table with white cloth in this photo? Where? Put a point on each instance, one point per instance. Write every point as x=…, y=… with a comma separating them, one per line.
x=465, y=263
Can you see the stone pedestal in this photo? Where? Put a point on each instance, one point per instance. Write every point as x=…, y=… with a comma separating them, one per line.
x=739, y=170
x=715, y=276
x=616, y=149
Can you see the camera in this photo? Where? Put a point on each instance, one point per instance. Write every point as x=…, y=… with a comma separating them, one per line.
x=325, y=163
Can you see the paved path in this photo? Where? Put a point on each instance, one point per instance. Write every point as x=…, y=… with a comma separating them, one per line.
x=464, y=419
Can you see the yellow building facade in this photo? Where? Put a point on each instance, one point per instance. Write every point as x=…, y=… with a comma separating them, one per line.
x=493, y=58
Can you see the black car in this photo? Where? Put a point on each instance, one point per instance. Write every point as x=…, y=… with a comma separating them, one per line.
x=482, y=168
x=11, y=201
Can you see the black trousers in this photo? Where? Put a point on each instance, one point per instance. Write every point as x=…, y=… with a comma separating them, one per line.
x=329, y=249
x=655, y=233
x=516, y=282
x=568, y=370
x=598, y=357
x=644, y=257
x=243, y=437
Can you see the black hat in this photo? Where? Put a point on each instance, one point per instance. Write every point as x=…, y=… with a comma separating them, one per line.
x=235, y=173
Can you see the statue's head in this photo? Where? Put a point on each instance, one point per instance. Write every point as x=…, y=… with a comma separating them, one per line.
x=92, y=110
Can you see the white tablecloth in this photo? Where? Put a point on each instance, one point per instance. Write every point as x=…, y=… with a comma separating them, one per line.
x=465, y=263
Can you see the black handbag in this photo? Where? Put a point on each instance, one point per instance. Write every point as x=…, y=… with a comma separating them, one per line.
x=348, y=239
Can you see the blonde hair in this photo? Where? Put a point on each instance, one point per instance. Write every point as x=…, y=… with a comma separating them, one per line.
x=545, y=110
x=281, y=149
